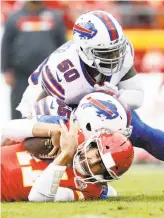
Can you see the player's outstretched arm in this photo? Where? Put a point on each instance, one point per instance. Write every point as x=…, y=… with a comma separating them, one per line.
x=18, y=130
x=62, y=194
x=46, y=186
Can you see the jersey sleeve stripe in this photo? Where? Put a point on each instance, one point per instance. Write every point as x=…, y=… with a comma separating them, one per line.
x=42, y=65
x=50, y=88
x=54, y=81
x=34, y=77
x=80, y=195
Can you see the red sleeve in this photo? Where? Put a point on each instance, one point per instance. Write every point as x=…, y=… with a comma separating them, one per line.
x=91, y=192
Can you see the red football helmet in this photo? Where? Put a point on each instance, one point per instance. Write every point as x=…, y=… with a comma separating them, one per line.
x=116, y=152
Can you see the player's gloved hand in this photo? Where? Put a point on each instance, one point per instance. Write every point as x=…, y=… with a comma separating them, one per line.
x=113, y=90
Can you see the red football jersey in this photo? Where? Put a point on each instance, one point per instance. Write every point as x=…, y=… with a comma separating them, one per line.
x=92, y=191
x=18, y=172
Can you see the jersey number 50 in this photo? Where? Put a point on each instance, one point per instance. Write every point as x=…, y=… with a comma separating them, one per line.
x=70, y=73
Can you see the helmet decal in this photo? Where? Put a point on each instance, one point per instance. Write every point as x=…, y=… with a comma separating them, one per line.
x=103, y=108
x=85, y=30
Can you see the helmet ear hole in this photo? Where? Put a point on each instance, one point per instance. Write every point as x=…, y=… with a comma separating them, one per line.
x=88, y=127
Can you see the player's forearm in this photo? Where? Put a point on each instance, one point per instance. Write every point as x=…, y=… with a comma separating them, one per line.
x=133, y=98
x=63, y=159
x=46, y=185
x=133, y=92
x=62, y=194
x=44, y=129
x=20, y=129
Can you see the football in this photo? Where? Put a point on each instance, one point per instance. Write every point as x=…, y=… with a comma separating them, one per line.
x=39, y=146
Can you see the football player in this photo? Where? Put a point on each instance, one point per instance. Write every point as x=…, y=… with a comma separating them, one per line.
x=143, y=136
x=99, y=55
x=96, y=111
x=20, y=169
x=102, y=158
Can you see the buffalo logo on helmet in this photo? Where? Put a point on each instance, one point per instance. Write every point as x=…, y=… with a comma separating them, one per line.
x=104, y=109
x=85, y=30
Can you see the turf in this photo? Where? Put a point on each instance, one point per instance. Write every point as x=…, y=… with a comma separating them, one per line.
x=141, y=194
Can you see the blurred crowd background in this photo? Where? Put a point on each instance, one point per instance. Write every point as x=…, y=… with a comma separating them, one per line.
x=143, y=23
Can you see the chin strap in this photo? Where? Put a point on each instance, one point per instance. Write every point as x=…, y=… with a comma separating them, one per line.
x=80, y=184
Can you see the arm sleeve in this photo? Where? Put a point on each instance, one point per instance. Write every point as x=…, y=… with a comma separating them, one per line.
x=52, y=83
x=7, y=43
x=62, y=194
x=29, y=99
x=19, y=129
x=132, y=94
x=32, y=92
x=51, y=176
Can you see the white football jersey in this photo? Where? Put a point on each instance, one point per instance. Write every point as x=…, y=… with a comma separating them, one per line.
x=51, y=106
x=63, y=74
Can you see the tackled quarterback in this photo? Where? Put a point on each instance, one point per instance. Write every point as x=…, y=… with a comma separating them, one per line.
x=79, y=125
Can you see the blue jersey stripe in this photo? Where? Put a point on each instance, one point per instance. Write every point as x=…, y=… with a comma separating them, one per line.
x=54, y=82
x=34, y=77
x=49, y=88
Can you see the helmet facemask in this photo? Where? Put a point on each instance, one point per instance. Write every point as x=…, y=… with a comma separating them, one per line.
x=82, y=166
x=110, y=61
x=107, y=60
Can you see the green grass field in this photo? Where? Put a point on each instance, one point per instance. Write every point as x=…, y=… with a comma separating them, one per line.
x=141, y=194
